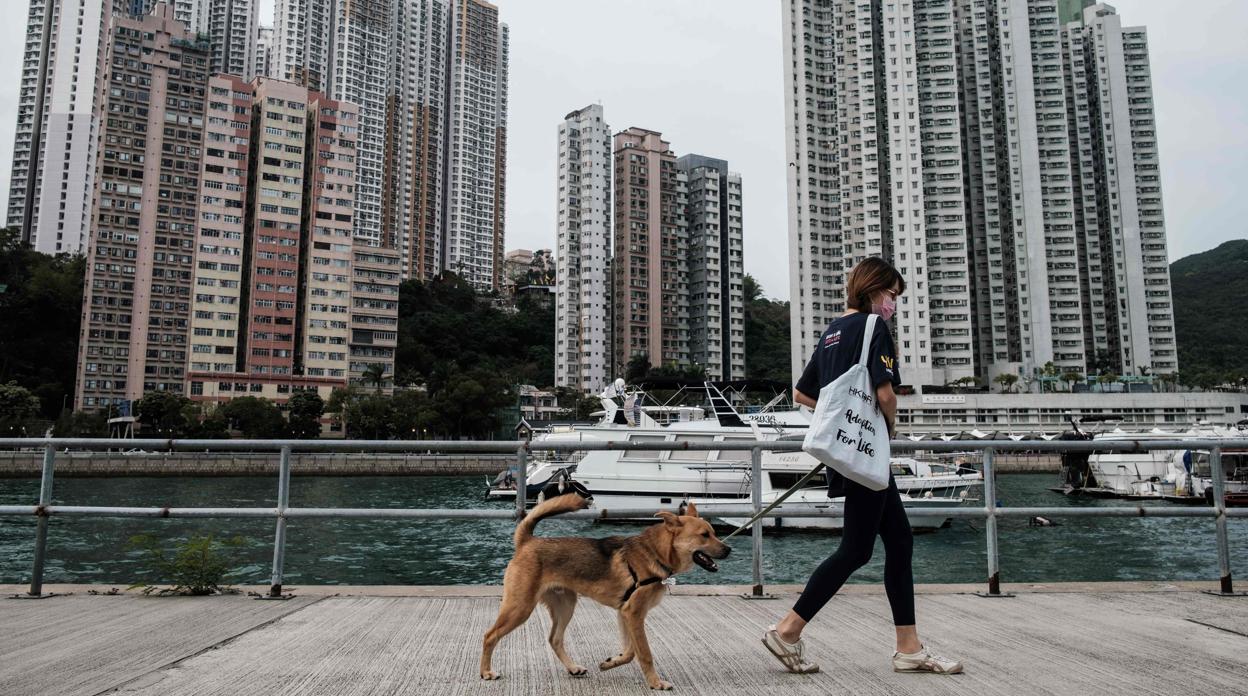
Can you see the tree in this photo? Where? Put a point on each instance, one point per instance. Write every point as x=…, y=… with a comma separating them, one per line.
x=1007, y=381
x=1070, y=377
x=164, y=413
x=1105, y=379
x=256, y=418
x=304, y=410
x=18, y=410
x=963, y=383
x=81, y=424
x=375, y=374
x=1168, y=380
x=369, y=417
x=767, y=353
x=1102, y=362
x=638, y=368
x=40, y=313
x=1049, y=373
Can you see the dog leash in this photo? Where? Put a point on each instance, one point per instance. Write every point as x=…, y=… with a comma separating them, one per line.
x=783, y=497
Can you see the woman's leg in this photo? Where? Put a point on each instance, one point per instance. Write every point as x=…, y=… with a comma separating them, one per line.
x=898, y=574
x=863, y=509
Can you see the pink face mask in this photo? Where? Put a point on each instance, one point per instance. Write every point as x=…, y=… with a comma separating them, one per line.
x=886, y=308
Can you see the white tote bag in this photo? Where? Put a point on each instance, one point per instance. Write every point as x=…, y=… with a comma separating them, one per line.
x=848, y=433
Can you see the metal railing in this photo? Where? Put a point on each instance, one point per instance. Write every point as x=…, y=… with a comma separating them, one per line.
x=990, y=511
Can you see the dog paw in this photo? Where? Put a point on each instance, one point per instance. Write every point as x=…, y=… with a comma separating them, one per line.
x=578, y=671
x=491, y=675
x=613, y=662
x=661, y=685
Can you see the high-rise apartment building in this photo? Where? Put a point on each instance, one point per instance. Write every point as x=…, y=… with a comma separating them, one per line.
x=232, y=28
x=963, y=141
x=59, y=121
x=474, y=173
x=650, y=288
x=583, y=252
x=264, y=52
x=273, y=272
x=302, y=42
x=138, y=289
x=716, y=272
x=375, y=277
x=415, y=136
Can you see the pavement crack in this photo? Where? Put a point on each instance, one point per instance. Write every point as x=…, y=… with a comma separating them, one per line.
x=219, y=644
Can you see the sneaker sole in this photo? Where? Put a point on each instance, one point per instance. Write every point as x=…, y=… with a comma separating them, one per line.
x=780, y=657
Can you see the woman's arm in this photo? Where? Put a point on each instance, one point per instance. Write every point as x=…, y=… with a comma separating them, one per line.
x=801, y=398
x=886, y=399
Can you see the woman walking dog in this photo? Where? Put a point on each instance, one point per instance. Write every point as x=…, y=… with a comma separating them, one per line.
x=873, y=287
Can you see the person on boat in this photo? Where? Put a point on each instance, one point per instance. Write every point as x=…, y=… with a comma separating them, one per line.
x=873, y=287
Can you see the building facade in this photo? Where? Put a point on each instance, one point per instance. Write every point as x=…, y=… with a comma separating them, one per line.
x=650, y=290
x=583, y=252
x=955, y=139
x=291, y=277
x=474, y=173
x=59, y=121
x=264, y=52
x=716, y=271
x=140, y=267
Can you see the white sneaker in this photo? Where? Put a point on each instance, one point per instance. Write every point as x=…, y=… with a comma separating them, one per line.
x=925, y=661
x=789, y=654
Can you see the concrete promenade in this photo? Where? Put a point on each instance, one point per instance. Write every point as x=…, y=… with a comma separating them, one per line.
x=1105, y=638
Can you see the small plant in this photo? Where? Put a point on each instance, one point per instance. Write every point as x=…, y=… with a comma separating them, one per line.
x=197, y=567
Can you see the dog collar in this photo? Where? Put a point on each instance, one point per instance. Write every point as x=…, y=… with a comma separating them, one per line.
x=642, y=583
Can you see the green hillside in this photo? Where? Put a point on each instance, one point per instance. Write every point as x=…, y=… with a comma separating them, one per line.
x=1211, y=313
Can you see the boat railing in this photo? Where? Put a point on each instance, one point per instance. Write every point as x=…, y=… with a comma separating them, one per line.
x=991, y=511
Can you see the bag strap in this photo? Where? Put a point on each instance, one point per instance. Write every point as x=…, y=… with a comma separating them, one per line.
x=867, y=333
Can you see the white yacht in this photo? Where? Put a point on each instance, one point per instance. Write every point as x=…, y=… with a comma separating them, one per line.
x=1174, y=475
x=651, y=479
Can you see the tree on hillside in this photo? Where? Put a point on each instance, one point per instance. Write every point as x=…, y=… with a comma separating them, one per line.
x=18, y=410
x=638, y=368
x=255, y=417
x=304, y=410
x=40, y=312
x=767, y=344
x=164, y=413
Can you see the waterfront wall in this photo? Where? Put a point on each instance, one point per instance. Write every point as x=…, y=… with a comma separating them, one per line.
x=98, y=464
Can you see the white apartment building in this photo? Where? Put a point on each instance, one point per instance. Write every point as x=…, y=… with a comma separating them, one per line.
x=59, y=121
x=961, y=140
x=233, y=30
x=583, y=252
x=264, y=52
x=474, y=175
x=716, y=272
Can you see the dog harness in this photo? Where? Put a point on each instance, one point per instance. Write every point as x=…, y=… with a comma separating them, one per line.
x=642, y=583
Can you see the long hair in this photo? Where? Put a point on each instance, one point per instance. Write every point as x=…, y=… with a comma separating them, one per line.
x=870, y=276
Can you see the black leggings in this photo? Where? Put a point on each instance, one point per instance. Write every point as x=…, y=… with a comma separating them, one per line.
x=867, y=513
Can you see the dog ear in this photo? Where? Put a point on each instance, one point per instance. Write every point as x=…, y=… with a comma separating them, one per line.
x=668, y=518
x=691, y=510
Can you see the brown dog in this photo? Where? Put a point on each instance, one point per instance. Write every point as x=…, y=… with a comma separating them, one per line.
x=624, y=573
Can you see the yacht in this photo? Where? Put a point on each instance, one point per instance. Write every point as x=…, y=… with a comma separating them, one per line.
x=1182, y=476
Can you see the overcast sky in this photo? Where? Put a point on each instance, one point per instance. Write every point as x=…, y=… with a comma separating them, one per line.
x=708, y=75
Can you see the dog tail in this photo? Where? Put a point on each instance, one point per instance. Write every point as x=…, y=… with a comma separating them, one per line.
x=558, y=505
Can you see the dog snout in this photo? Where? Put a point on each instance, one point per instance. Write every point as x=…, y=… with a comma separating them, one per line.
x=723, y=551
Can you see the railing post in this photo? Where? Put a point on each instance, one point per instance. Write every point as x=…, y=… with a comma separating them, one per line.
x=756, y=532
x=41, y=528
x=990, y=526
x=1219, y=507
x=522, y=481
x=279, y=538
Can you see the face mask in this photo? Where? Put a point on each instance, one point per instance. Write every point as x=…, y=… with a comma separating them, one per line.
x=887, y=308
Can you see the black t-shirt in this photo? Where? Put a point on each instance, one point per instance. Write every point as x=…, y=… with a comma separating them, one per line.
x=839, y=348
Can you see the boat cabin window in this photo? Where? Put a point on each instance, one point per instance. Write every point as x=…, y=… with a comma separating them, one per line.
x=650, y=455
x=692, y=455
x=784, y=480
x=734, y=455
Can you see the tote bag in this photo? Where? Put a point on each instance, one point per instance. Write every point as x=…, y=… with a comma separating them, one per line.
x=848, y=433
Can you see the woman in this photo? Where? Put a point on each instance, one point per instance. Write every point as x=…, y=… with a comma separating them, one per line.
x=873, y=288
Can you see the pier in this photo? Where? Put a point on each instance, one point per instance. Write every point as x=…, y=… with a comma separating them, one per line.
x=1110, y=638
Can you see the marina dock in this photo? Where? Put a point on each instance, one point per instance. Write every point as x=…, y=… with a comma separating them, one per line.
x=1098, y=638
